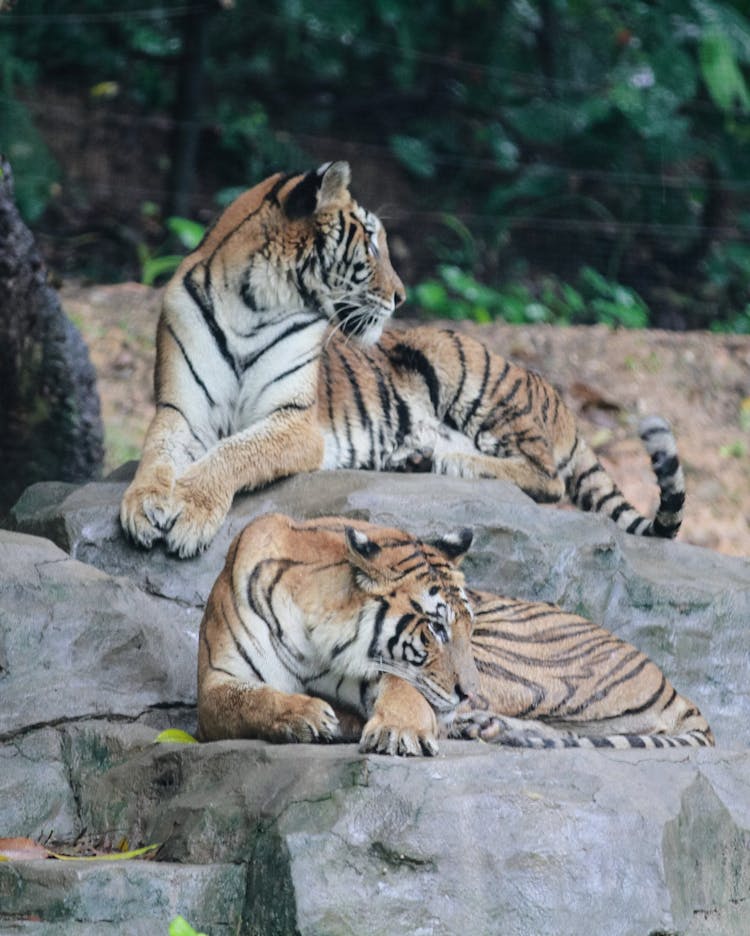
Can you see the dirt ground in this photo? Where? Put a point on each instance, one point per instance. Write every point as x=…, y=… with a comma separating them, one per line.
x=699, y=381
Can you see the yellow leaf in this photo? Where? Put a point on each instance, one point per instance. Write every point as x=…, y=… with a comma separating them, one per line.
x=174, y=736
x=111, y=856
x=105, y=89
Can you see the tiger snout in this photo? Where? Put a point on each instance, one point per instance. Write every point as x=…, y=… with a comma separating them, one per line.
x=465, y=675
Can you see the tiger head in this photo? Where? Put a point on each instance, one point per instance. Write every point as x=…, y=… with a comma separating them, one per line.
x=297, y=241
x=423, y=619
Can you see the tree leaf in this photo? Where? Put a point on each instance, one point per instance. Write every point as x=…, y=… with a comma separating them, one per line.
x=174, y=736
x=110, y=856
x=722, y=75
x=22, y=849
x=180, y=927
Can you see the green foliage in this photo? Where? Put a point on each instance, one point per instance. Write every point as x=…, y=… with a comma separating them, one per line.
x=35, y=172
x=156, y=265
x=548, y=136
x=458, y=295
x=180, y=927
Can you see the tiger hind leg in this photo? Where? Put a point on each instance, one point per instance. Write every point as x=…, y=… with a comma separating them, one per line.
x=530, y=733
x=540, y=487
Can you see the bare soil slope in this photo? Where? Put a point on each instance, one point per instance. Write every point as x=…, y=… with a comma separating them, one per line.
x=699, y=381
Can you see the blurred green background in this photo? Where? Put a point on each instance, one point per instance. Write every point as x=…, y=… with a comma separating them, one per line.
x=533, y=160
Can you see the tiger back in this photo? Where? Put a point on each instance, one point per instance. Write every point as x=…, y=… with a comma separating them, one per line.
x=548, y=678
x=427, y=398
x=313, y=626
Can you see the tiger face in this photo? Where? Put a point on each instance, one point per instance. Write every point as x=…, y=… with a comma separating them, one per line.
x=423, y=619
x=297, y=242
x=348, y=274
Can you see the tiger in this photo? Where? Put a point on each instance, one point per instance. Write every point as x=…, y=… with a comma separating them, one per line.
x=548, y=678
x=333, y=629
x=317, y=630
x=272, y=358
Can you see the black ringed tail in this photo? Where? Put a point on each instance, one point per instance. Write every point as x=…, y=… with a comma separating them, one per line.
x=590, y=488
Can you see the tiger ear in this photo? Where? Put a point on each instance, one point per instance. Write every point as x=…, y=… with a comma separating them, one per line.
x=326, y=188
x=334, y=185
x=361, y=547
x=303, y=198
x=362, y=552
x=454, y=546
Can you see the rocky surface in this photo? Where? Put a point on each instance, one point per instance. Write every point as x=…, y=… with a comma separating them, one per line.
x=97, y=653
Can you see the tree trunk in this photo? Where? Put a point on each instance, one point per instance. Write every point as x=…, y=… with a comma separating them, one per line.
x=50, y=423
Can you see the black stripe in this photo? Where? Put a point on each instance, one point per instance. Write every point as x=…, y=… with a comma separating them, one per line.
x=503, y=401
x=189, y=363
x=480, y=393
x=603, y=500
x=212, y=665
x=462, y=380
x=364, y=416
x=295, y=327
x=404, y=356
x=500, y=378
x=582, y=477
x=372, y=650
x=655, y=430
x=164, y=405
x=619, y=510
x=645, y=706
x=666, y=467
x=201, y=297
x=403, y=622
x=289, y=371
x=672, y=503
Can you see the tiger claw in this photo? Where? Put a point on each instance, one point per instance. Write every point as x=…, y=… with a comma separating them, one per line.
x=397, y=741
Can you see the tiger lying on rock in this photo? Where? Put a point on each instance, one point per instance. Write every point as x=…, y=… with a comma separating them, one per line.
x=271, y=360
x=314, y=628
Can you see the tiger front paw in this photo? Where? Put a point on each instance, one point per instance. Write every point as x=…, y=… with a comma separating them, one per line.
x=146, y=512
x=198, y=512
x=305, y=720
x=382, y=737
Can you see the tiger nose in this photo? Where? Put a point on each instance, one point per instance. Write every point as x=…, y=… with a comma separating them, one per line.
x=463, y=694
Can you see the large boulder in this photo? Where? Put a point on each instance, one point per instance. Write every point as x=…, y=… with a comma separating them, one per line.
x=98, y=652
x=50, y=419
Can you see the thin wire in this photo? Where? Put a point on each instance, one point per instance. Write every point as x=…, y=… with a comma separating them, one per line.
x=533, y=81
x=108, y=16
x=636, y=179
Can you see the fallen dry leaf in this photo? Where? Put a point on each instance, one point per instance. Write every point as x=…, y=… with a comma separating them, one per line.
x=22, y=849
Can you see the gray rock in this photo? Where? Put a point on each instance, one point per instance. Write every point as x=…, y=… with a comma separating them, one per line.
x=97, y=653
x=685, y=606
x=136, y=897
x=480, y=839
x=76, y=642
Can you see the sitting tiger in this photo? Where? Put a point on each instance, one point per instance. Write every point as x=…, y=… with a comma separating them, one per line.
x=336, y=629
x=271, y=360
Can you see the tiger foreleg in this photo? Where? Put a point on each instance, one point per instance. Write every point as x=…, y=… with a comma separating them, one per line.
x=146, y=511
x=273, y=448
x=235, y=710
x=402, y=722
